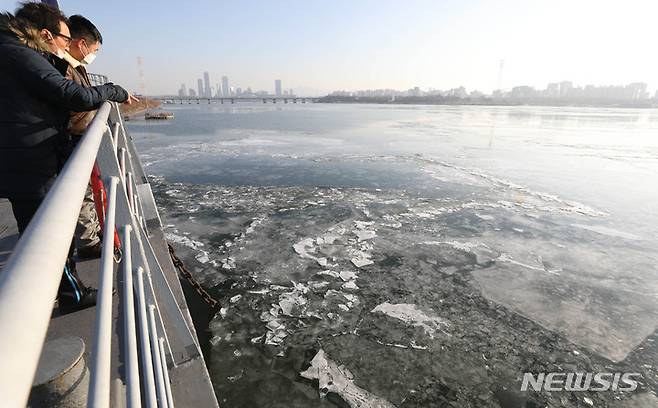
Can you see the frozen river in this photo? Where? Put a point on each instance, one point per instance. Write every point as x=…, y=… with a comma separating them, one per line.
x=418, y=255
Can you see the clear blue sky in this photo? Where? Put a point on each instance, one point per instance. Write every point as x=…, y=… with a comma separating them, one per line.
x=359, y=44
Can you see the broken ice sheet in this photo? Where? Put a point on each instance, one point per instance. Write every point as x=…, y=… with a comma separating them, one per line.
x=483, y=254
x=362, y=259
x=350, y=285
x=338, y=380
x=333, y=274
x=292, y=303
x=365, y=235
x=347, y=275
x=305, y=247
x=410, y=314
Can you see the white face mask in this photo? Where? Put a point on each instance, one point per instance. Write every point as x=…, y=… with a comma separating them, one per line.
x=89, y=58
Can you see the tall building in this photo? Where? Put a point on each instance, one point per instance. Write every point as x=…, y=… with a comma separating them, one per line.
x=226, y=90
x=277, y=87
x=206, y=85
x=637, y=90
x=566, y=88
x=199, y=85
x=192, y=92
x=218, y=88
x=291, y=93
x=182, y=91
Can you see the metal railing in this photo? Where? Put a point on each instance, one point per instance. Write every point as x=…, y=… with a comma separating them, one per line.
x=157, y=344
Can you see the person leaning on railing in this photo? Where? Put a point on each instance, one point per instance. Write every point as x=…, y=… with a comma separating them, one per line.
x=35, y=103
x=86, y=41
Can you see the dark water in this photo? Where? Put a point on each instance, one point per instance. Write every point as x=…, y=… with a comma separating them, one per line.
x=436, y=253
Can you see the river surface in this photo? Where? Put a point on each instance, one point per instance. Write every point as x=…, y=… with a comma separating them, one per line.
x=415, y=256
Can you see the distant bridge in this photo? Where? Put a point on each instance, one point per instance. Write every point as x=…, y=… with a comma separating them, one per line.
x=233, y=99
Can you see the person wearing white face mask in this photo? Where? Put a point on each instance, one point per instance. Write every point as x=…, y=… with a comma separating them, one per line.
x=86, y=41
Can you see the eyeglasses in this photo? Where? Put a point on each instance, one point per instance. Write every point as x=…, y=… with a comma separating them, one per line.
x=66, y=37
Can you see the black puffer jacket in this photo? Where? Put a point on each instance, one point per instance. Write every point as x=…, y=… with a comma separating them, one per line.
x=35, y=103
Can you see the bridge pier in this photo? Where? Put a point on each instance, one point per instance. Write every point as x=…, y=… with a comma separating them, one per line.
x=273, y=100
x=232, y=101
x=264, y=100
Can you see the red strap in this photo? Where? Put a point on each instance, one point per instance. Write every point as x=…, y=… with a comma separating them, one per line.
x=100, y=201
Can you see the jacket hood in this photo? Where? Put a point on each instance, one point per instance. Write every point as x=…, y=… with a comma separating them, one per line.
x=22, y=32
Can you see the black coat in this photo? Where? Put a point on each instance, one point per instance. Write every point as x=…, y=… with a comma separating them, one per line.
x=35, y=104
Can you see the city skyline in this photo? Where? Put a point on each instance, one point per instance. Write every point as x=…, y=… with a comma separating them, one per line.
x=204, y=90
x=563, y=89
x=556, y=90
x=377, y=44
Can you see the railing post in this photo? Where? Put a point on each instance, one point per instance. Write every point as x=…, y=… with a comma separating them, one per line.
x=99, y=386
x=157, y=362
x=130, y=332
x=115, y=135
x=145, y=345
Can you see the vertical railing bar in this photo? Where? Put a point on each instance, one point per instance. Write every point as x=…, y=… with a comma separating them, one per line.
x=145, y=345
x=135, y=163
x=115, y=135
x=160, y=321
x=157, y=361
x=182, y=323
x=138, y=203
x=130, y=331
x=129, y=185
x=119, y=394
x=163, y=358
x=151, y=291
x=99, y=384
x=122, y=164
x=135, y=203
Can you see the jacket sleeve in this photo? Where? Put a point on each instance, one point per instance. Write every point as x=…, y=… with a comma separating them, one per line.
x=41, y=77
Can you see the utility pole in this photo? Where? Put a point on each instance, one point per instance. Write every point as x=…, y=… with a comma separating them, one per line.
x=142, y=83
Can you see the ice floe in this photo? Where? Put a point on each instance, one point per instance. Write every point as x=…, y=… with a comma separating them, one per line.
x=410, y=314
x=483, y=254
x=337, y=379
x=362, y=259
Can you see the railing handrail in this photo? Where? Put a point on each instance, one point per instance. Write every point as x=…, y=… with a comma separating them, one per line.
x=26, y=307
x=29, y=281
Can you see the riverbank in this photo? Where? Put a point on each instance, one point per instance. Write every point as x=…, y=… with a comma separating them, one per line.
x=134, y=109
x=486, y=101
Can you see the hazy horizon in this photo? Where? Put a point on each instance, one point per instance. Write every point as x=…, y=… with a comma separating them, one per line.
x=350, y=46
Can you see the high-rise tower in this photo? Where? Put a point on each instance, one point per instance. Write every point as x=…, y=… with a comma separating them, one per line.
x=226, y=91
x=277, y=87
x=206, y=85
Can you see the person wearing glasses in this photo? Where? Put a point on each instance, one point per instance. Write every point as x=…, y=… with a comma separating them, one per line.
x=82, y=51
x=35, y=104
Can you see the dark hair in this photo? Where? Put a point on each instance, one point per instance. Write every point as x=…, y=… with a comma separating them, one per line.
x=40, y=16
x=82, y=28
